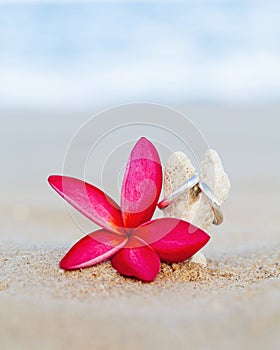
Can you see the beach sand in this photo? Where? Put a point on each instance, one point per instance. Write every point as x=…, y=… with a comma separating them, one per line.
x=234, y=303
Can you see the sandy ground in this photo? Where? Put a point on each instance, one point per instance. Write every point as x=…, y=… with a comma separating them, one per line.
x=235, y=301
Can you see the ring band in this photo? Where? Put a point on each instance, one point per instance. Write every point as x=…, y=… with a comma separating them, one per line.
x=201, y=187
x=215, y=205
x=185, y=187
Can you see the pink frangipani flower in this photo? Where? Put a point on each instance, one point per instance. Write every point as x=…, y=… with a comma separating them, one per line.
x=134, y=244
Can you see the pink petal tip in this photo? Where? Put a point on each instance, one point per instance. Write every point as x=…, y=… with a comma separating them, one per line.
x=92, y=249
x=139, y=262
x=141, y=184
x=172, y=239
x=90, y=201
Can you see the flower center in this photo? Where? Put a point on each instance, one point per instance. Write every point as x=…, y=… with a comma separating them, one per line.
x=129, y=233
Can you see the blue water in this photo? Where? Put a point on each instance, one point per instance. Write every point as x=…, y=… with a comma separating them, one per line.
x=98, y=53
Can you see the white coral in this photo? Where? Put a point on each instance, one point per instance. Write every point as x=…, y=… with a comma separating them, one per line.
x=195, y=209
x=199, y=258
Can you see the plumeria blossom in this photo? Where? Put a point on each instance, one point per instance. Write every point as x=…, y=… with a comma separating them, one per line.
x=134, y=244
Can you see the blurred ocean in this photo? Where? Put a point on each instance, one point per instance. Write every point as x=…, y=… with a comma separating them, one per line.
x=34, y=142
x=91, y=53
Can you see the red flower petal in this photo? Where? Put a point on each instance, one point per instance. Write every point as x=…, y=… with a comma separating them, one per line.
x=141, y=184
x=92, y=249
x=172, y=239
x=140, y=262
x=90, y=201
